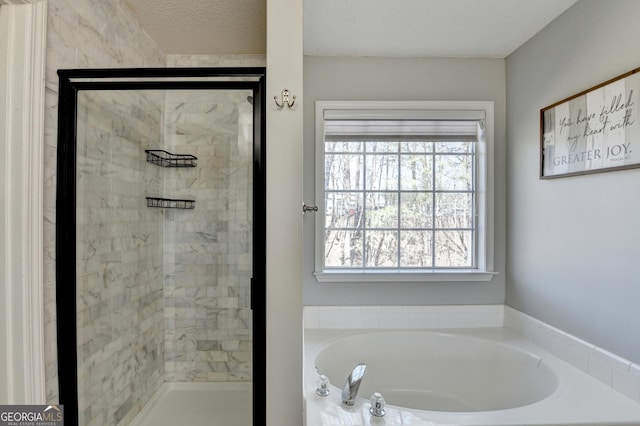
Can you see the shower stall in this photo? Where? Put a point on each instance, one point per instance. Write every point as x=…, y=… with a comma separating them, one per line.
x=161, y=246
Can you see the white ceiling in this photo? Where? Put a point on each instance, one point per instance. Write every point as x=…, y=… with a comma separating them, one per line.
x=422, y=28
x=413, y=28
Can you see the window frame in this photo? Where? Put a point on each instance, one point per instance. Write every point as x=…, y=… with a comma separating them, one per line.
x=484, y=248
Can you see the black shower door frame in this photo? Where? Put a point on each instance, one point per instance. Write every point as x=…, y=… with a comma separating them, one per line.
x=70, y=83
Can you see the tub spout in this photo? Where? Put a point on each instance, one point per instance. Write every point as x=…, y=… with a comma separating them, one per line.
x=351, y=386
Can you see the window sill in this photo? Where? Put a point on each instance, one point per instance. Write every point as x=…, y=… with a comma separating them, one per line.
x=403, y=276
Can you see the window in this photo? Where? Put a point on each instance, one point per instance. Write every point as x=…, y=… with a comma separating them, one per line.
x=403, y=191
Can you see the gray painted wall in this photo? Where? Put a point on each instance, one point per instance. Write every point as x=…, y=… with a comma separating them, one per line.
x=413, y=79
x=573, y=243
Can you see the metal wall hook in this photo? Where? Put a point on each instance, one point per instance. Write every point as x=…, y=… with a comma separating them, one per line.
x=285, y=99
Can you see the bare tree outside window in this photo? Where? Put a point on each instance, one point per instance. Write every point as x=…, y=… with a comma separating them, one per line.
x=399, y=204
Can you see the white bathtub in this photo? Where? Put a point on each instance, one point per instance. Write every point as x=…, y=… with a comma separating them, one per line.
x=482, y=376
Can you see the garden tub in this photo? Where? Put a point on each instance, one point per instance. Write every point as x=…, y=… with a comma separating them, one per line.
x=481, y=376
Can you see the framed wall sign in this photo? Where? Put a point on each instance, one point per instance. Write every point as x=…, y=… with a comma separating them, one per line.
x=596, y=130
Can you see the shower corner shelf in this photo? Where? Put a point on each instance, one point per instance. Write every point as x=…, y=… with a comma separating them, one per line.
x=163, y=158
x=169, y=203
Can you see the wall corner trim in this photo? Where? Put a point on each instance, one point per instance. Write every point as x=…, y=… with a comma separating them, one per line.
x=22, y=266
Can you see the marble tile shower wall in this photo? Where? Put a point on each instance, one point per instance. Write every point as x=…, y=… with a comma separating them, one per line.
x=94, y=34
x=80, y=34
x=208, y=249
x=119, y=255
x=221, y=60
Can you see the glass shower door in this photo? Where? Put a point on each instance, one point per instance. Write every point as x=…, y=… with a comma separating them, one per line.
x=165, y=235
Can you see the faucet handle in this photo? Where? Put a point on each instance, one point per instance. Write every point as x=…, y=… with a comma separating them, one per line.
x=377, y=405
x=322, y=383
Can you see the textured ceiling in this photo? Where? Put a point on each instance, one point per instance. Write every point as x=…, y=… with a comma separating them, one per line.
x=419, y=28
x=203, y=26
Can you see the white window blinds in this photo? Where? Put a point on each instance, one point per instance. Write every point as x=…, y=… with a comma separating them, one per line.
x=459, y=126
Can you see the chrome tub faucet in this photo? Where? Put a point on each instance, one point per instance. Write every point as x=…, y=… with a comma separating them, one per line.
x=351, y=386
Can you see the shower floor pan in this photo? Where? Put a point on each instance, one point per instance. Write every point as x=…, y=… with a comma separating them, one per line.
x=198, y=404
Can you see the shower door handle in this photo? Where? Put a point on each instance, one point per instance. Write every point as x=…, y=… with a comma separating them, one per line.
x=252, y=296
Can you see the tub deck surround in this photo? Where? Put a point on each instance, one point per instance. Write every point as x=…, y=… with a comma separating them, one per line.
x=367, y=317
x=618, y=373
x=611, y=396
